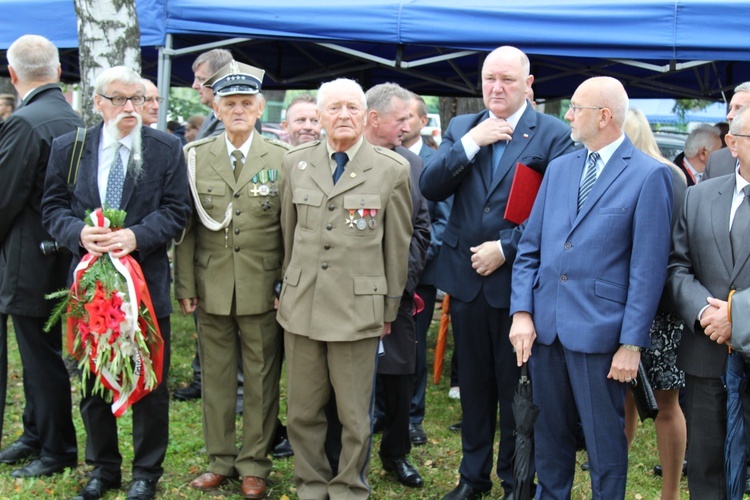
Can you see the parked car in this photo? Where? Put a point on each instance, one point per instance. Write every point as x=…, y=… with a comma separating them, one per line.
x=432, y=129
x=670, y=145
x=274, y=131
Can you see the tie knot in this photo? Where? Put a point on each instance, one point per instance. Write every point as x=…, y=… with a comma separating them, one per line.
x=237, y=154
x=593, y=158
x=340, y=158
x=746, y=190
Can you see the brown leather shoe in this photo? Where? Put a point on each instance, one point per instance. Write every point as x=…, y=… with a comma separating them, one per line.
x=208, y=481
x=253, y=487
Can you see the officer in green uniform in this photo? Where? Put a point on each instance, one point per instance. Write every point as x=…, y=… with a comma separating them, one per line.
x=226, y=266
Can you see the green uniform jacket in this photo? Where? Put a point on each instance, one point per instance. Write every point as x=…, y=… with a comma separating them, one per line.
x=246, y=256
x=343, y=280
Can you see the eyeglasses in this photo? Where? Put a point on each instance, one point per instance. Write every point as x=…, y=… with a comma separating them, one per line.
x=739, y=135
x=120, y=101
x=155, y=99
x=574, y=108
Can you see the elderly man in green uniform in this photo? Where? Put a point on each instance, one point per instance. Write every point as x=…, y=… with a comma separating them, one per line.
x=346, y=219
x=226, y=266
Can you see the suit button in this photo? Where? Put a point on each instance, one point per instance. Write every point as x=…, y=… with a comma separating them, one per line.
x=236, y=195
x=486, y=210
x=236, y=231
x=563, y=278
x=568, y=245
x=325, y=265
x=237, y=212
x=331, y=207
x=329, y=226
x=327, y=247
x=236, y=249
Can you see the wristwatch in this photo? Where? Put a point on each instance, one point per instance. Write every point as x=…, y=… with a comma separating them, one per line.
x=631, y=347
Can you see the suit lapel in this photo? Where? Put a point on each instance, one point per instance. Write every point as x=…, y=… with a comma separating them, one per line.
x=220, y=161
x=88, y=168
x=321, y=168
x=720, y=209
x=612, y=170
x=254, y=163
x=578, y=164
x=129, y=185
x=354, y=175
x=522, y=135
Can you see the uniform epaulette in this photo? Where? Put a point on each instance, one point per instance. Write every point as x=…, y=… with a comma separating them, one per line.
x=200, y=142
x=305, y=145
x=390, y=154
x=277, y=142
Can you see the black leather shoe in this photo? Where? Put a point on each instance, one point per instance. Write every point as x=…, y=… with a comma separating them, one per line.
x=189, y=393
x=455, y=427
x=417, y=434
x=96, y=488
x=465, y=492
x=18, y=452
x=142, y=489
x=43, y=466
x=658, y=471
x=585, y=466
x=283, y=449
x=406, y=473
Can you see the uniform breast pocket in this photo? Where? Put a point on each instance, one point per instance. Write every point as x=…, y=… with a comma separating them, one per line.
x=308, y=203
x=363, y=214
x=210, y=194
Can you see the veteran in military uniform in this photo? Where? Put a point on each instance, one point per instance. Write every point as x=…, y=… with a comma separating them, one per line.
x=346, y=220
x=226, y=266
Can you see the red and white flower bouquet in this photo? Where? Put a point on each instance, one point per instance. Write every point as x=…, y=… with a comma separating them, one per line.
x=111, y=325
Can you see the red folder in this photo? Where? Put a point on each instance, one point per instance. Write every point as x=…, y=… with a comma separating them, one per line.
x=523, y=192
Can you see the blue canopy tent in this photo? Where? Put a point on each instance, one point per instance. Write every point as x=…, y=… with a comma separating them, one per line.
x=658, y=48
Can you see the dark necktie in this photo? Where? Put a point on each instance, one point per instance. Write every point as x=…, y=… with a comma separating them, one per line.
x=588, y=180
x=341, y=160
x=115, y=180
x=238, y=163
x=498, y=149
x=740, y=223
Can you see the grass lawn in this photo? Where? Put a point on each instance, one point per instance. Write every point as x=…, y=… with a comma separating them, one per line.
x=437, y=461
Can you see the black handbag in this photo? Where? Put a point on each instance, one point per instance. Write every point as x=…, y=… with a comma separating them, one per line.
x=643, y=395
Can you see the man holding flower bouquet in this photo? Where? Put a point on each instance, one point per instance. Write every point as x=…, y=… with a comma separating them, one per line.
x=142, y=172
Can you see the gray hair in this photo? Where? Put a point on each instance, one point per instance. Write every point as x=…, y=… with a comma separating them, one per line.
x=742, y=87
x=736, y=127
x=119, y=74
x=703, y=136
x=380, y=97
x=215, y=59
x=421, y=105
x=302, y=98
x=34, y=59
x=329, y=89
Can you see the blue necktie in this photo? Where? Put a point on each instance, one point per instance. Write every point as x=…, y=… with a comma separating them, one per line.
x=341, y=160
x=115, y=181
x=498, y=149
x=739, y=223
x=588, y=180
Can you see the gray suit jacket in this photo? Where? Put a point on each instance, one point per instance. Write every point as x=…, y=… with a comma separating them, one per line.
x=701, y=266
x=720, y=163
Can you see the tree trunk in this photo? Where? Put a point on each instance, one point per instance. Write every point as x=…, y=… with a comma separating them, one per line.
x=454, y=106
x=108, y=35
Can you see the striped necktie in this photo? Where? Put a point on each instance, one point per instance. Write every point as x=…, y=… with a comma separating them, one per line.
x=588, y=180
x=115, y=181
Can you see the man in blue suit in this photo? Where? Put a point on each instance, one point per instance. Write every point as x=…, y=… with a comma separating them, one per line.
x=588, y=275
x=479, y=247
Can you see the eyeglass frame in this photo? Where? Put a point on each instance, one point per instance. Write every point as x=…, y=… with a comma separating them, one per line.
x=575, y=107
x=739, y=135
x=152, y=99
x=132, y=99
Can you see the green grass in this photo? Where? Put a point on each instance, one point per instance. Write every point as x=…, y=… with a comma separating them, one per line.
x=437, y=461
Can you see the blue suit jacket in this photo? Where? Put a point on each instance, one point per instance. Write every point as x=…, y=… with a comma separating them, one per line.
x=594, y=278
x=480, y=199
x=157, y=206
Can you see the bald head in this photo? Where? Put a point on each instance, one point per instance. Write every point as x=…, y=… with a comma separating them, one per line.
x=597, y=112
x=505, y=80
x=150, y=110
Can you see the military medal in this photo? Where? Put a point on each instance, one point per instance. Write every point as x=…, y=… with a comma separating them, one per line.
x=351, y=221
x=273, y=176
x=372, y=223
x=361, y=224
x=264, y=189
x=302, y=165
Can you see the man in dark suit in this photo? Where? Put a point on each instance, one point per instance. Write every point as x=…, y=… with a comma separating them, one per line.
x=387, y=115
x=155, y=195
x=710, y=258
x=346, y=222
x=700, y=143
x=439, y=212
x=26, y=274
x=588, y=275
x=722, y=162
x=479, y=246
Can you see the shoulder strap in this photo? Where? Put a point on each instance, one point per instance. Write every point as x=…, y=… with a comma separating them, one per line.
x=75, y=157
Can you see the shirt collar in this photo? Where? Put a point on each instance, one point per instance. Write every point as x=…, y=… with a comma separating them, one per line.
x=244, y=149
x=608, y=151
x=417, y=146
x=108, y=140
x=739, y=183
x=350, y=153
x=515, y=117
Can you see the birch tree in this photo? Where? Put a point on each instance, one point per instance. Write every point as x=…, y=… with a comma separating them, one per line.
x=108, y=35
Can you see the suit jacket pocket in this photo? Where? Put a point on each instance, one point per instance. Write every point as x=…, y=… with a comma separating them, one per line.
x=307, y=202
x=208, y=189
x=611, y=291
x=288, y=295
x=614, y=210
x=369, y=302
x=450, y=237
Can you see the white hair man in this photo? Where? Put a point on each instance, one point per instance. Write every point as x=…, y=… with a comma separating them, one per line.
x=722, y=162
x=700, y=143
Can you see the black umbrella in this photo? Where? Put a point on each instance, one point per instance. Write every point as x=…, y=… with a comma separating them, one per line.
x=525, y=413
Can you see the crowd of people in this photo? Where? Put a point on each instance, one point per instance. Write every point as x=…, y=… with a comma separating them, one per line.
x=327, y=253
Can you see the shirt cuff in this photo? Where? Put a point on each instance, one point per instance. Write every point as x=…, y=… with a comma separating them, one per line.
x=500, y=247
x=470, y=147
x=700, y=313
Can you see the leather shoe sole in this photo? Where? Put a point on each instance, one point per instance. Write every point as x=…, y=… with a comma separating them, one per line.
x=253, y=487
x=43, y=466
x=96, y=488
x=208, y=481
x=465, y=492
x=18, y=452
x=405, y=471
